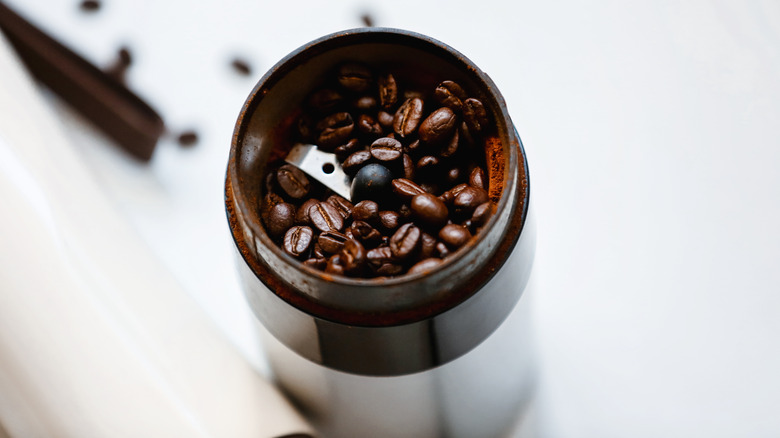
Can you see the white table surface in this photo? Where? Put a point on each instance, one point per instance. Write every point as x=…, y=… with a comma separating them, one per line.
x=652, y=131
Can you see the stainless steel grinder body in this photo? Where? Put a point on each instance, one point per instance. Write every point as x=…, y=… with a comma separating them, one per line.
x=437, y=354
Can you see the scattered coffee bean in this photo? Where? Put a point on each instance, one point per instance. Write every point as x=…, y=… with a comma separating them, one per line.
x=475, y=115
x=345, y=150
x=468, y=199
x=367, y=125
x=344, y=207
x=90, y=5
x=406, y=189
x=477, y=178
x=365, y=233
x=424, y=266
x=405, y=241
x=454, y=236
x=336, y=130
x=316, y=263
x=408, y=165
x=429, y=210
x=427, y=245
x=451, y=146
x=427, y=164
x=389, y=220
x=482, y=214
x=438, y=126
x=297, y=240
x=293, y=181
x=331, y=242
x=326, y=217
x=385, y=119
x=451, y=95
x=366, y=211
x=335, y=265
x=353, y=256
x=367, y=20
x=187, y=138
x=389, y=269
x=355, y=77
x=302, y=214
x=379, y=256
x=386, y=149
x=388, y=91
x=355, y=162
x=241, y=66
x=280, y=218
x=408, y=117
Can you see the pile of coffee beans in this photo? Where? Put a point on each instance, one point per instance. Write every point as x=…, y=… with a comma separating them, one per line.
x=417, y=163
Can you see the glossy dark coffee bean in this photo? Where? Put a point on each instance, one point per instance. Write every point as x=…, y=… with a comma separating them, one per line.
x=464, y=134
x=389, y=220
x=335, y=265
x=293, y=181
x=326, y=217
x=345, y=207
x=468, y=199
x=441, y=250
x=386, y=149
x=366, y=211
x=355, y=77
x=405, y=213
x=297, y=240
x=408, y=117
x=280, y=218
x=385, y=120
x=389, y=269
x=427, y=246
x=427, y=164
x=367, y=125
x=424, y=266
x=452, y=176
x=325, y=100
x=379, y=256
x=450, y=194
x=364, y=103
x=451, y=95
x=316, y=263
x=406, y=189
x=405, y=241
x=482, y=214
x=365, y=233
x=429, y=210
x=353, y=163
x=408, y=166
x=302, y=214
x=269, y=201
x=331, y=242
x=475, y=115
x=338, y=129
x=353, y=257
x=414, y=147
x=477, y=178
x=317, y=252
x=388, y=91
x=454, y=236
x=347, y=149
x=438, y=126
x=372, y=182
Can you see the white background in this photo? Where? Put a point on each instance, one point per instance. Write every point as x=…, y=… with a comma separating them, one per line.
x=652, y=135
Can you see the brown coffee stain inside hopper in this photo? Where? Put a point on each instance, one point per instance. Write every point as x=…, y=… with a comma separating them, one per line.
x=494, y=157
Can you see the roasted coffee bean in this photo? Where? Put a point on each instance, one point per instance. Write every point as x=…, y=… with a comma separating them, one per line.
x=464, y=134
x=325, y=100
x=451, y=146
x=302, y=214
x=427, y=164
x=451, y=95
x=364, y=103
x=336, y=129
x=389, y=269
x=353, y=257
x=452, y=176
x=297, y=240
x=427, y=245
x=405, y=241
x=405, y=213
x=367, y=211
x=355, y=161
x=280, y=218
x=424, y=266
x=335, y=265
x=388, y=91
x=468, y=199
x=345, y=207
x=269, y=201
x=326, y=217
x=430, y=187
x=372, y=181
x=429, y=210
x=413, y=94
x=408, y=117
x=475, y=115
x=406, y=189
x=316, y=263
x=438, y=126
x=386, y=149
x=482, y=214
x=454, y=236
x=450, y=194
x=317, y=252
x=385, y=119
x=331, y=242
x=365, y=233
x=346, y=149
x=414, y=146
x=477, y=178
x=367, y=125
x=293, y=181
x=389, y=220
x=379, y=256
x=355, y=77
